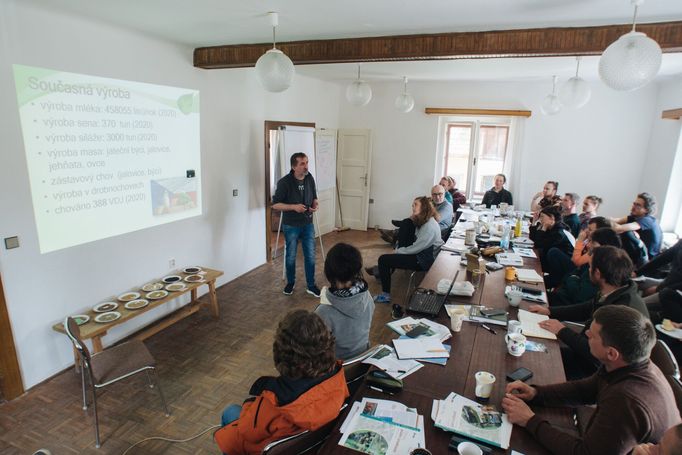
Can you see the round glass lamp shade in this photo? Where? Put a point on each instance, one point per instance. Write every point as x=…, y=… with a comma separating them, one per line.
x=630, y=62
x=404, y=103
x=275, y=70
x=575, y=93
x=359, y=93
x=551, y=105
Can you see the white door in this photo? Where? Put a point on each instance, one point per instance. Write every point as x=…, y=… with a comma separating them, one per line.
x=353, y=170
x=325, y=179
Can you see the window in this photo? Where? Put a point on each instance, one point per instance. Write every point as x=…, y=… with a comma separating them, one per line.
x=475, y=151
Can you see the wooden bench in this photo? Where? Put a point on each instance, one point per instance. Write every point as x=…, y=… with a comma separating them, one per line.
x=95, y=331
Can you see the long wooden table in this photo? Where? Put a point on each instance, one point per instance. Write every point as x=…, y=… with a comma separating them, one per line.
x=473, y=349
x=95, y=331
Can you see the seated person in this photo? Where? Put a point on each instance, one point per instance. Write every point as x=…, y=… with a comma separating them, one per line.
x=569, y=209
x=452, y=194
x=634, y=402
x=497, y=194
x=550, y=232
x=610, y=270
x=670, y=444
x=417, y=256
x=641, y=221
x=560, y=264
x=308, y=393
x=590, y=206
x=577, y=287
x=546, y=198
x=405, y=233
x=673, y=279
x=346, y=306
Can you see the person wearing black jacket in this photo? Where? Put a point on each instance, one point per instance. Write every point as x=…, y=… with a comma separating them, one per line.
x=610, y=270
x=296, y=197
x=549, y=232
x=497, y=194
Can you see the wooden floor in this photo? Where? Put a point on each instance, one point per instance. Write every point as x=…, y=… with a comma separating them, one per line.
x=203, y=364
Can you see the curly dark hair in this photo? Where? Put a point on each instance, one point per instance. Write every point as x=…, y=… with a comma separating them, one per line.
x=303, y=346
x=552, y=211
x=343, y=264
x=649, y=203
x=600, y=222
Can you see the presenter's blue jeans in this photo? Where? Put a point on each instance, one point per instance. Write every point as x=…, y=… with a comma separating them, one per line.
x=292, y=235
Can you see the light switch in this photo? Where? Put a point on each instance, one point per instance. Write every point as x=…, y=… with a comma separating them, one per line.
x=11, y=242
x=235, y=193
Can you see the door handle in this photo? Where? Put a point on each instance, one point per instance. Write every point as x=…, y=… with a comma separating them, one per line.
x=365, y=179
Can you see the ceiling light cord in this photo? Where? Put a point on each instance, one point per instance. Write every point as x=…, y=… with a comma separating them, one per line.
x=634, y=18
x=577, y=66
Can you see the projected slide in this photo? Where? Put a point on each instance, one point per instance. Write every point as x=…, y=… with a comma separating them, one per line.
x=106, y=156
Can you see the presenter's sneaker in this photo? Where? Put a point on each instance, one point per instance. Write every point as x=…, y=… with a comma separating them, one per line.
x=313, y=290
x=289, y=289
x=384, y=297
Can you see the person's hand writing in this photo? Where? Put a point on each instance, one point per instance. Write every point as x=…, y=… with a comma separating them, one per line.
x=299, y=208
x=539, y=309
x=551, y=325
x=517, y=410
x=646, y=449
x=521, y=390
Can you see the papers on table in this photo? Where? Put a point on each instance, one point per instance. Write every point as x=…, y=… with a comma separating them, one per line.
x=528, y=275
x=524, y=252
x=419, y=348
x=473, y=420
x=435, y=330
x=386, y=359
x=523, y=242
x=529, y=325
x=455, y=245
x=463, y=288
x=376, y=426
x=509, y=259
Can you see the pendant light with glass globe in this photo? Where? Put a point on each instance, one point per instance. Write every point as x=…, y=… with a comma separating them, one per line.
x=575, y=92
x=359, y=93
x=551, y=104
x=631, y=61
x=404, y=102
x=274, y=69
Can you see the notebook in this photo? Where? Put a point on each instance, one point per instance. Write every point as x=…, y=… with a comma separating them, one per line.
x=529, y=325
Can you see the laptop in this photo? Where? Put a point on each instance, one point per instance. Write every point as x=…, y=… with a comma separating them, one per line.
x=427, y=301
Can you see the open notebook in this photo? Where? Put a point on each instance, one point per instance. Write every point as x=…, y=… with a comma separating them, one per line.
x=529, y=325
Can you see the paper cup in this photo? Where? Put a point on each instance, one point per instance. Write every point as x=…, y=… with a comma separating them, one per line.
x=456, y=320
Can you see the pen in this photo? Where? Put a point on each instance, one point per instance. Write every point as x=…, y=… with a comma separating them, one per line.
x=489, y=329
x=396, y=371
x=379, y=390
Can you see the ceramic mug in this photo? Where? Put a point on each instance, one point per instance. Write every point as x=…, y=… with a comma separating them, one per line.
x=484, y=384
x=510, y=273
x=516, y=344
x=469, y=448
x=513, y=326
x=514, y=297
x=456, y=320
x=470, y=237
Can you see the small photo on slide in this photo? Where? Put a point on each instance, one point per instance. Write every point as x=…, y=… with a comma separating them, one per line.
x=173, y=195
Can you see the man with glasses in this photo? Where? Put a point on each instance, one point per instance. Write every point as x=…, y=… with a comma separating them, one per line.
x=641, y=221
x=443, y=206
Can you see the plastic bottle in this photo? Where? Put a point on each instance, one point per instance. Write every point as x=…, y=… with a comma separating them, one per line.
x=506, y=231
x=517, y=227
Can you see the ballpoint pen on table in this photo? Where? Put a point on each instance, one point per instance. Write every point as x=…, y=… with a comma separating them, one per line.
x=489, y=329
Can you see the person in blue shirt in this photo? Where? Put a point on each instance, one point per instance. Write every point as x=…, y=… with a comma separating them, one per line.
x=641, y=221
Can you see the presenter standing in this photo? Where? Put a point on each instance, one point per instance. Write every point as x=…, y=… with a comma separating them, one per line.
x=296, y=198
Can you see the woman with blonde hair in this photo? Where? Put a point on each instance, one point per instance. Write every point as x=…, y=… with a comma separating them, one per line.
x=417, y=256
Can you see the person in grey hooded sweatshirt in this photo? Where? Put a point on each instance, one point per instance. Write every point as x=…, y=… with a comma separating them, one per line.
x=346, y=306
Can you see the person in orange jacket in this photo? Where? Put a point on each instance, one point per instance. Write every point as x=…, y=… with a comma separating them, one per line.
x=308, y=393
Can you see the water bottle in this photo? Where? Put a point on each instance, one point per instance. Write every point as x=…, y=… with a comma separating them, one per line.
x=506, y=231
x=517, y=228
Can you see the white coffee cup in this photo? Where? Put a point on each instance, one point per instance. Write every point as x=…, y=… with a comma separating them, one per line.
x=456, y=320
x=516, y=344
x=484, y=384
x=514, y=326
x=514, y=297
x=469, y=448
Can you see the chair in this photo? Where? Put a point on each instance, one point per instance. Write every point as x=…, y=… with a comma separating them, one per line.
x=664, y=359
x=355, y=370
x=304, y=442
x=110, y=366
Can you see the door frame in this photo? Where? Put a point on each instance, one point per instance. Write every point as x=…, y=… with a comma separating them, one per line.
x=11, y=384
x=270, y=125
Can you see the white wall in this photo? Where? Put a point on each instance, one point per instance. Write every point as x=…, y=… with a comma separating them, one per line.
x=42, y=289
x=662, y=172
x=599, y=149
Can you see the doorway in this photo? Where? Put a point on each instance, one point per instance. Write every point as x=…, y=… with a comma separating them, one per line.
x=11, y=385
x=272, y=175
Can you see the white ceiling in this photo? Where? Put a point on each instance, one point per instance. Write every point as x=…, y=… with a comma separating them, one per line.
x=199, y=23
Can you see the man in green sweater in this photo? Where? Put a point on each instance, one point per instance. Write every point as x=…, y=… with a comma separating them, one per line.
x=610, y=271
x=634, y=402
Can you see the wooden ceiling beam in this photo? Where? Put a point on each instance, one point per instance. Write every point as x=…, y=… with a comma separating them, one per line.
x=538, y=42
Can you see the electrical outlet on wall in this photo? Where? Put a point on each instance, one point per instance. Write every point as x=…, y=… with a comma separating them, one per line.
x=171, y=263
x=235, y=193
